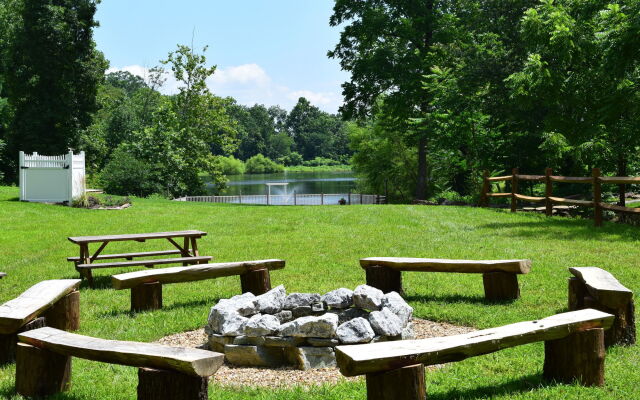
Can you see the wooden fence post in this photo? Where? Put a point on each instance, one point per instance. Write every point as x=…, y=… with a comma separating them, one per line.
x=484, y=200
x=548, y=192
x=514, y=190
x=597, y=197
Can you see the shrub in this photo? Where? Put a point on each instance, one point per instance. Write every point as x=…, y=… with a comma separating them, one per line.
x=291, y=159
x=125, y=175
x=260, y=164
x=320, y=161
x=231, y=165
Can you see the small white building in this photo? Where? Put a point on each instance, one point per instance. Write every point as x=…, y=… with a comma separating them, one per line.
x=52, y=179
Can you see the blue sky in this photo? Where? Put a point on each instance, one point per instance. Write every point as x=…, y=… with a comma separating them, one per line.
x=267, y=51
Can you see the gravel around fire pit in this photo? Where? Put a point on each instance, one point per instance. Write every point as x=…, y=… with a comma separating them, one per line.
x=229, y=375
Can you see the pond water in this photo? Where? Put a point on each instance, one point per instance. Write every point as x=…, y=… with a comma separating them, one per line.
x=300, y=182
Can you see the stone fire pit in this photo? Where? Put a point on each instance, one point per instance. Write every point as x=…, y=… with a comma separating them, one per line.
x=302, y=329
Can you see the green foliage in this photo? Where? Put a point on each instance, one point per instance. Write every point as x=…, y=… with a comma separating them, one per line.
x=293, y=158
x=127, y=176
x=260, y=164
x=319, y=161
x=231, y=165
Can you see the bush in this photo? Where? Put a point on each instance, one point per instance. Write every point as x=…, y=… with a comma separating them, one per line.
x=291, y=159
x=125, y=175
x=321, y=161
x=231, y=165
x=260, y=164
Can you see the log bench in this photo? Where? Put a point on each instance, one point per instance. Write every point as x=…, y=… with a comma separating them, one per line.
x=188, y=251
x=592, y=287
x=500, y=277
x=55, y=303
x=43, y=364
x=574, y=351
x=146, y=286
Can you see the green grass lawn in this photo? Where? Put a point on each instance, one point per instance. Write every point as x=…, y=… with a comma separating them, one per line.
x=322, y=246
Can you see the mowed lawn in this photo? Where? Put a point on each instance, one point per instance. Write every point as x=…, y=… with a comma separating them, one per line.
x=322, y=246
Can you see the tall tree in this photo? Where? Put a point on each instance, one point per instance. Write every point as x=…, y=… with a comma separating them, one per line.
x=54, y=76
x=385, y=45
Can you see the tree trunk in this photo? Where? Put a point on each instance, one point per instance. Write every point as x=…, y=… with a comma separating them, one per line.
x=384, y=278
x=155, y=384
x=500, y=286
x=257, y=282
x=65, y=314
x=146, y=297
x=622, y=171
x=399, y=384
x=421, y=186
x=41, y=372
x=578, y=357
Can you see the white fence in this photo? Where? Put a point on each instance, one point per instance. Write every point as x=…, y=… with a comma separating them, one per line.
x=293, y=199
x=51, y=179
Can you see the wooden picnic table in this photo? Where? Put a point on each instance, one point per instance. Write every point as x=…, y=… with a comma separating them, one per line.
x=187, y=251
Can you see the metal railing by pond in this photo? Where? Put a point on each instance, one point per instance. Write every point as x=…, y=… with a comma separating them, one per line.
x=293, y=199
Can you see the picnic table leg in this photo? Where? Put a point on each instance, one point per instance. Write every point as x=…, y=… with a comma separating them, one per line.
x=185, y=251
x=85, y=258
x=194, y=246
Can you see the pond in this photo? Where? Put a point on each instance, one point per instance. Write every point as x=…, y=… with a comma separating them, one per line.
x=301, y=182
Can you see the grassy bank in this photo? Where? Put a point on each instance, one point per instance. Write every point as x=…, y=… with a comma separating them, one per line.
x=320, y=168
x=322, y=246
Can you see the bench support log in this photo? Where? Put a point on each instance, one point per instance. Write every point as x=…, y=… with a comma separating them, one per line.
x=146, y=297
x=257, y=282
x=8, y=342
x=65, y=313
x=384, y=278
x=404, y=383
x=623, y=330
x=500, y=286
x=578, y=357
x=41, y=372
x=155, y=384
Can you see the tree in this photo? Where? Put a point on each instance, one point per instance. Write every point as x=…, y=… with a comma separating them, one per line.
x=54, y=75
x=126, y=81
x=385, y=45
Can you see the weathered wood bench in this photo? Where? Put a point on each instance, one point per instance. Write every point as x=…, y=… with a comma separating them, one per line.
x=188, y=251
x=55, y=303
x=574, y=350
x=43, y=364
x=500, y=277
x=146, y=286
x=592, y=287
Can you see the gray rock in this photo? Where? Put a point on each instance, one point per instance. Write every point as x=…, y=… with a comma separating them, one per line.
x=283, y=341
x=385, y=323
x=357, y=330
x=408, y=333
x=261, y=325
x=302, y=311
x=226, y=321
x=248, y=340
x=368, y=297
x=255, y=356
x=322, y=342
x=321, y=327
x=349, y=314
x=394, y=302
x=315, y=357
x=243, y=304
x=284, y=316
x=217, y=342
x=272, y=301
x=300, y=300
x=317, y=307
x=339, y=298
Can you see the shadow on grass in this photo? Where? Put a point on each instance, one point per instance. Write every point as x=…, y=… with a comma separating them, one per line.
x=454, y=298
x=174, y=306
x=520, y=385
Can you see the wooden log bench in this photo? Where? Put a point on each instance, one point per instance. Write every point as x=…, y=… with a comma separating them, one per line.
x=55, y=303
x=146, y=286
x=574, y=351
x=500, y=277
x=592, y=287
x=43, y=364
x=188, y=251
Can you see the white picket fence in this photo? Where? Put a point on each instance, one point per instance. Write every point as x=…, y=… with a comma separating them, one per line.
x=293, y=199
x=51, y=179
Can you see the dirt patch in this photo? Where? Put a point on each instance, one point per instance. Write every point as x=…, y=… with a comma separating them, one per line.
x=229, y=375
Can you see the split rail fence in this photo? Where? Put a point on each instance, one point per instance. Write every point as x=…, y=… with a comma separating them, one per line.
x=595, y=180
x=293, y=199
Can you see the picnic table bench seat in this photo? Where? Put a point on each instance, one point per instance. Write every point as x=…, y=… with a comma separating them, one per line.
x=146, y=286
x=130, y=256
x=592, y=287
x=500, y=277
x=55, y=303
x=574, y=350
x=148, y=263
x=43, y=364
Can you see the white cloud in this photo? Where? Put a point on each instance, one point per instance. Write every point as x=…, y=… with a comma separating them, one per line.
x=248, y=84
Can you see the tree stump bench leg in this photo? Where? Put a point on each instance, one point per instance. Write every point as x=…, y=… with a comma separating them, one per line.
x=65, y=313
x=577, y=357
x=500, y=286
x=577, y=293
x=384, y=278
x=9, y=342
x=155, y=384
x=41, y=372
x=257, y=282
x=146, y=297
x=399, y=384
